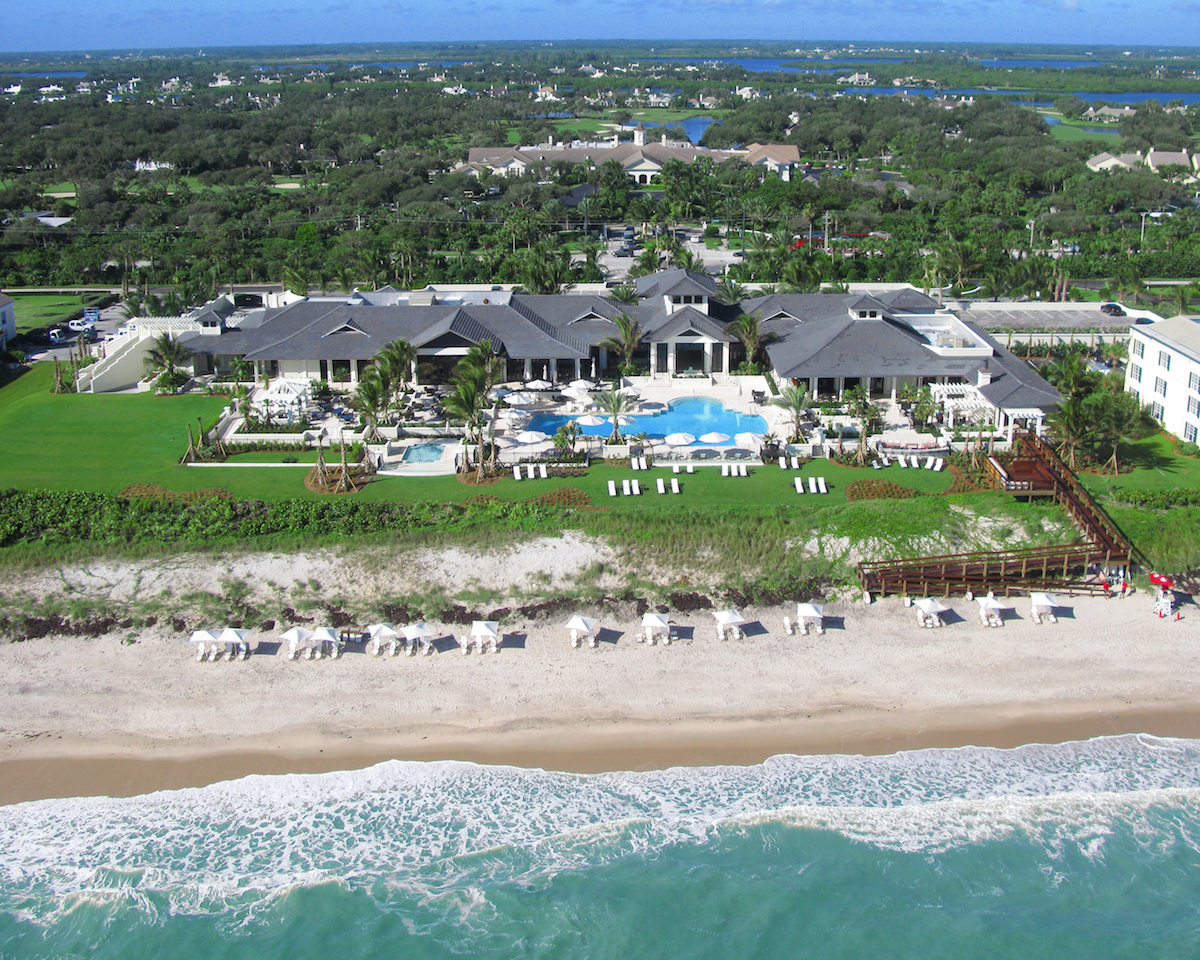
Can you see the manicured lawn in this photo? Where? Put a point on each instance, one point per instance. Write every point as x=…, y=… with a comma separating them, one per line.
x=1068, y=134
x=1156, y=467
x=36, y=312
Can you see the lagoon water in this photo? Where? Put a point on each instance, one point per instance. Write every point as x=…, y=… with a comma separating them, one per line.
x=1073, y=850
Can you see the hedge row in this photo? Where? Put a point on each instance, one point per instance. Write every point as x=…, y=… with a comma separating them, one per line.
x=1159, y=499
x=48, y=517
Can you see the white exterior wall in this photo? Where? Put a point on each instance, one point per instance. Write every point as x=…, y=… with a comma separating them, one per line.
x=1147, y=376
x=8, y=324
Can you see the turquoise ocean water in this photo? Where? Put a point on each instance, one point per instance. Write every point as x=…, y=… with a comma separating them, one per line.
x=1071, y=850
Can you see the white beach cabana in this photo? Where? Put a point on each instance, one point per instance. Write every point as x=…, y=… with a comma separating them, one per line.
x=728, y=624
x=380, y=632
x=317, y=641
x=294, y=637
x=656, y=625
x=203, y=640
x=929, y=611
x=236, y=647
x=1041, y=607
x=483, y=632
x=417, y=634
x=581, y=627
x=989, y=611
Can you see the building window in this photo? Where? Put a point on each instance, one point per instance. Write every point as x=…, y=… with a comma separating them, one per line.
x=1135, y=373
x=1160, y=386
x=1156, y=411
x=1164, y=359
x=1139, y=348
x=1194, y=381
x=1189, y=432
x=1194, y=406
x=341, y=371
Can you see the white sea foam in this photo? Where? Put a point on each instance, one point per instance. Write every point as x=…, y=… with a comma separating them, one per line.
x=437, y=829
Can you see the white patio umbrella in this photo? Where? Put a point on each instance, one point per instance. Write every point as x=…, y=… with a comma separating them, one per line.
x=521, y=399
x=323, y=635
x=203, y=636
x=630, y=391
x=539, y=385
x=577, y=393
x=485, y=628
x=584, y=624
x=930, y=606
x=297, y=634
x=811, y=610
x=748, y=439
x=235, y=639
x=990, y=603
x=416, y=633
x=679, y=439
x=622, y=420
x=656, y=623
x=532, y=436
x=380, y=632
x=1046, y=600
x=511, y=413
x=590, y=420
x=714, y=437
x=504, y=441
x=581, y=385
x=728, y=618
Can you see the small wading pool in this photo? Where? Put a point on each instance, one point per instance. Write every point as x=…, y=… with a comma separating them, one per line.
x=428, y=452
x=697, y=416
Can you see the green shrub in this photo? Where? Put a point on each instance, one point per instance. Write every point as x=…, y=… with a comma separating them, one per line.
x=1187, y=449
x=1159, y=499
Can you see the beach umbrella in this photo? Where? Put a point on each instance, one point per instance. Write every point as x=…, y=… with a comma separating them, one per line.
x=590, y=420
x=382, y=631
x=748, y=439
x=679, y=439
x=622, y=420
x=538, y=385
x=990, y=603
x=714, y=437
x=203, y=636
x=809, y=610
x=577, y=393
x=295, y=634
x=532, y=436
x=486, y=629
x=630, y=391
x=727, y=618
x=1044, y=600
x=584, y=624
x=417, y=631
x=324, y=635
x=655, y=620
x=521, y=399
x=229, y=635
x=931, y=606
x=581, y=385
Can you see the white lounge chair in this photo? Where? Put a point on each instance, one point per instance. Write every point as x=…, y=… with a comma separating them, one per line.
x=691, y=468
x=674, y=485
x=887, y=462
x=742, y=471
x=900, y=460
x=724, y=469
x=633, y=462
x=929, y=463
x=788, y=627
x=465, y=643
x=214, y=652
x=637, y=488
x=795, y=463
x=542, y=471
x=799, y=481
x=529, y=472
x=812, y=484
x=516, y=472
x=645, y=464
x=675, y=468
x=876, y=464
x=612, y=488
x=938, y=464
x=821, y=485
x=783, y=463
x=661, y=484
x=200, y=653
x=625, y=487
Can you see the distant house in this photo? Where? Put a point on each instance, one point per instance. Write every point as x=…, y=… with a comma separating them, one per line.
x=857, y=80
x=1156, y=160
x=1115, y=161
x=1109, y=114
x=8, y=320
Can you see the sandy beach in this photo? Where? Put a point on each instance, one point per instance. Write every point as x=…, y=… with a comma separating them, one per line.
x=88, y=716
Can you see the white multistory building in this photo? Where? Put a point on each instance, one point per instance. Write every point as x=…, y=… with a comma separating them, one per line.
x=1164, y=371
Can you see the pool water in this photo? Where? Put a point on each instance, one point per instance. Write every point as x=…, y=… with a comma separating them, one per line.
x=430, y=452
x=696, y=415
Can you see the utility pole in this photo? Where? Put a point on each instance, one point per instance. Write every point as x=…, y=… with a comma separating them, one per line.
x=828, y=218
x=1143, y=240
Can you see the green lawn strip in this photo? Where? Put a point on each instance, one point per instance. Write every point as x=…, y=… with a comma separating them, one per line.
x=39, y=312
x=1156, y=467
x=1068, y=134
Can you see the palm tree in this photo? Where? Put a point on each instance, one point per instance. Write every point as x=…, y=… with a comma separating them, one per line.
x=1117, y=416
x=748, y=329
x=1181, y=297
x=625, y=342
x=371, y=397
x=615, y=404
x=166, y=355
x=730, y=292
x=858, y=403
x=795, y=400
x=626, y=293
x=1071, y=427
x=466, y=402
x=1069, y=375
x=394, y=365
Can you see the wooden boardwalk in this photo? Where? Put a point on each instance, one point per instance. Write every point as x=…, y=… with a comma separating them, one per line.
x=1071, y=569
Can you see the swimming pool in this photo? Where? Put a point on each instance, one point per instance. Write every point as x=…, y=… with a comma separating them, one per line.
x=428, y=452
x=695, y=415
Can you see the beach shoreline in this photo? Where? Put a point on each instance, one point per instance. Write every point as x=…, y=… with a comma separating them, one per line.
x=123, y=767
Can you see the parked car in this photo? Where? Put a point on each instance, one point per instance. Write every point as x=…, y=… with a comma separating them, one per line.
x=58, y=335
x=1112, y=309
x=623, y=252
x=82, y=323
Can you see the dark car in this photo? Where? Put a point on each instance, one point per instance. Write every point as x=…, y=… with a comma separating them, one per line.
x=623, y=252
x=1112, y=309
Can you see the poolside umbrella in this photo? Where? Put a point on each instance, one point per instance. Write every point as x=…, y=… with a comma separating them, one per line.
x=630, y=391
x=511, y=413
x=577, y=393
x=728, y=618
x=931, y=606
x=748, y=439
x=679, y=439
x=532, y=436
x=622, y=420
x=520, y=399
x=714, y=437
x=590, y=420
x=581, y=385
x=538, y=385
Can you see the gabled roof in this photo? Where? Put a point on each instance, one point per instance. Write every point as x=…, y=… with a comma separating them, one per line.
x=850, y=347
x=689, y=318
x=676, y=282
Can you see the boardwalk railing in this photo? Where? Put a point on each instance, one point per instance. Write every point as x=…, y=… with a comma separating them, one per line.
x=1069, y=568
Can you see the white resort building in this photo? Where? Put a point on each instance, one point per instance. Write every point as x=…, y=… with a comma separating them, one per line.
x=1164, y=372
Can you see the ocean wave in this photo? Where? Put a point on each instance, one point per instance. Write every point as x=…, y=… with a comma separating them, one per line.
x=435, y=830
